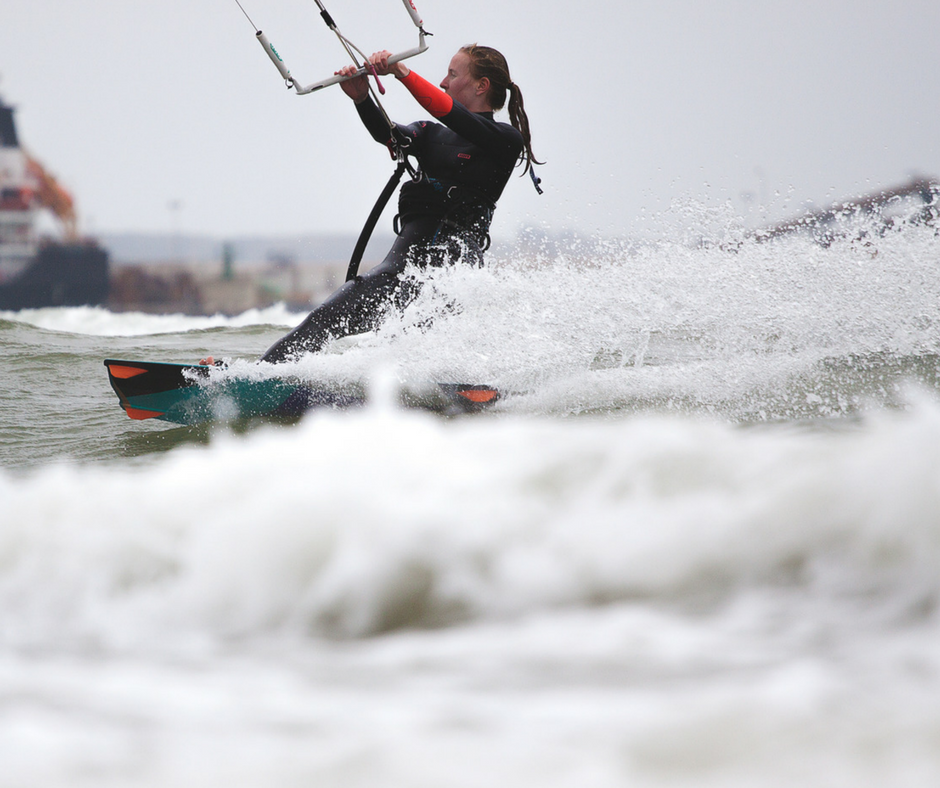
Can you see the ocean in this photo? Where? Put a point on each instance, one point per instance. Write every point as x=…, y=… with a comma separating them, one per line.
x=696, y=543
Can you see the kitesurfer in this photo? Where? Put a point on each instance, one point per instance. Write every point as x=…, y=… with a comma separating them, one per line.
x=444, y=213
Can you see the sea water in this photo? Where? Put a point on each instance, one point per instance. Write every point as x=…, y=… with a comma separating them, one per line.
x=697, y=542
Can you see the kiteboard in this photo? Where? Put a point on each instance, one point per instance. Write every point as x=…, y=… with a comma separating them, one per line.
x=195, y=393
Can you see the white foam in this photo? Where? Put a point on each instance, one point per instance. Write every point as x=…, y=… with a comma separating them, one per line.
x=352, y=524
x=98, y=321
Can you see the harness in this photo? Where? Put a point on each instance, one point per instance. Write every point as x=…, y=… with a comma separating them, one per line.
x=456, y=197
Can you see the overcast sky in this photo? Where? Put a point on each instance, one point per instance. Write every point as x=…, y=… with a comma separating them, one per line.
x=137, y=106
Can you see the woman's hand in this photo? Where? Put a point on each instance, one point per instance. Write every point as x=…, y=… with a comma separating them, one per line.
x=379, y=61
x=357, y=89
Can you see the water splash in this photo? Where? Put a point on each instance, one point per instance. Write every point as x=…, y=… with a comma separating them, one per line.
x=731, y=325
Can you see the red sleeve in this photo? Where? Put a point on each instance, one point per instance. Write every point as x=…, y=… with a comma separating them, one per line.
x=433, y=99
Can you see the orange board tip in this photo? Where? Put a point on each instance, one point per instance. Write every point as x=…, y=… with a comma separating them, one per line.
x=140, y=415
x=478, y=395
x=122, y=372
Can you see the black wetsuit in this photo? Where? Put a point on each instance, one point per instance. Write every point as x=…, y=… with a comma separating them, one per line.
x=444, y=216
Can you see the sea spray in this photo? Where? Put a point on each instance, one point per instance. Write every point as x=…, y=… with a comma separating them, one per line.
x=696, y=544
x=355, y=524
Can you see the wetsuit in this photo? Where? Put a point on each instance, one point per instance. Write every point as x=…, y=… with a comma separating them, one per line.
x=444, y=215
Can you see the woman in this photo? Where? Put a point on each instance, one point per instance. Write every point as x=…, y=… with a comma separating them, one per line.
x=445, y=214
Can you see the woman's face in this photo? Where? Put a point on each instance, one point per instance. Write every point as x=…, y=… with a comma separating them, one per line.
x=460, y=85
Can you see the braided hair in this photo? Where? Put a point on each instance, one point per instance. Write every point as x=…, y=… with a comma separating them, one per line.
x=490, y=63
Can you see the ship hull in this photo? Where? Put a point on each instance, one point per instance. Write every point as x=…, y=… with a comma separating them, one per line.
x=59, y=275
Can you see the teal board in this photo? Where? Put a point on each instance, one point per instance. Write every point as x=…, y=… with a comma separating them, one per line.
x=187, y=394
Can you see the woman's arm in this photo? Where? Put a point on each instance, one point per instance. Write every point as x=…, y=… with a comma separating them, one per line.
x=374, y=121
x=498, y=139
x=358, y=90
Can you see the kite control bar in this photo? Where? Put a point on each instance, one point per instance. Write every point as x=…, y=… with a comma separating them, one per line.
x=350, y=48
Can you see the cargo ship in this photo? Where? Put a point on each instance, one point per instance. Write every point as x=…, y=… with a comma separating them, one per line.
x=35, y=271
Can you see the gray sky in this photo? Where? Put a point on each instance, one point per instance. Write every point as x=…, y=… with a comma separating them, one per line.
x=633, y=104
